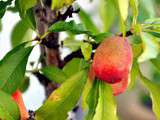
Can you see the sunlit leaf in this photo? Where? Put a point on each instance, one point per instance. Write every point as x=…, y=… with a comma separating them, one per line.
x=57, y=4
x=8, y=108
x=123, y=8
x=106, y=107
x=85, y=94
x=150, y=47
x=64, y=99
x=92, y=100
x=133, y=75
x=134, y=6
x=13, y=66
x=86, y=49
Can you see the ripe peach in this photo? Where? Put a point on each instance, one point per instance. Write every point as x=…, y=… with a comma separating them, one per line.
x=113, y=59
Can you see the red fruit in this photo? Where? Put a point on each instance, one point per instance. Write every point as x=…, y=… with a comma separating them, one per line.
x=112, y=60
x=120, y=87
x=17, y=97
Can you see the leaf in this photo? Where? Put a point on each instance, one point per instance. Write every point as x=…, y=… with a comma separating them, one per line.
x=156, y=63
x=86, y=49
x=123, y=8
x=85, y=94
x=153, y=89
x=8, y=108
x=134, y=7
x=72, y=44
x=55, y=74
x=24, y=5
x=150, y=47
x=68, y=26
x=24, y=84
x=0, y=25
x=62, y=100
x=137, y=49
x=101, y=36
x=106, y=108
x=13, y=66
x=58, y=4
x=21, y=33
x=146, y=10
x=133, y=75
x=3, y=6
x=31, y=19
x=74, y=66
x=153, y=21
x=92, y=100
x=108, y=13
x=87, y=21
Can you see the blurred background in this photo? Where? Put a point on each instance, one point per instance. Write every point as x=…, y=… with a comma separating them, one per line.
x=132, y=105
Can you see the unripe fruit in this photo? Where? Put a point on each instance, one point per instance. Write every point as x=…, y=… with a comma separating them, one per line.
x=17, y=97
x=112, y=60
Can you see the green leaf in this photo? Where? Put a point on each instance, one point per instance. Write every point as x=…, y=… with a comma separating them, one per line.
x=8, y=108
x=31, y=19
x=3, y=6
x=55, y=74
x=68, y=26
x=150, y=47
x=134, y=7
x=21, y=33
x=156, y=63
x=106, y=108
x=24, y=5
x=72, y=44
x=101, y=36
x=74, y=66
x=108, y=13
x=62, y=100
x=146, y=10
x=87, y=21
x=86, y=49
x=123, y=8
x=92, y=100
x=85, y=94
x=133, y=74
x=152, y=26
x=153, y=89
x=4, y=115
x=24, y=84
x=56, y=4
x=13, y=66
x=0, y=25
